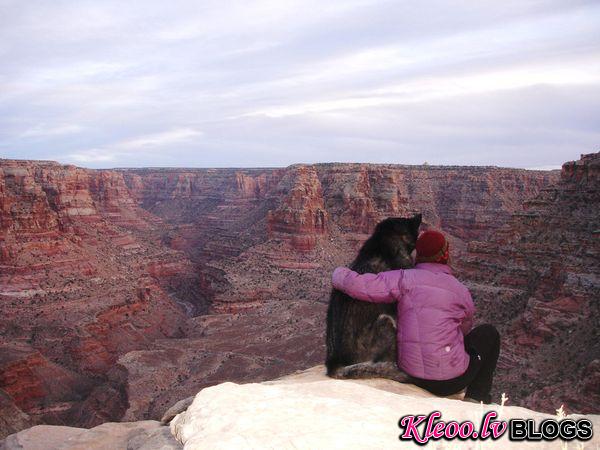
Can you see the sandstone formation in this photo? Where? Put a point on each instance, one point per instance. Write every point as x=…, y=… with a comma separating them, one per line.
x=79, y=286
x=538, y=277
x=310, y=410
x=137, y=288
x=301, y=215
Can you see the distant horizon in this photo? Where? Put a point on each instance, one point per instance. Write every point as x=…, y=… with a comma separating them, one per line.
x=270, y=83
x=424, y=164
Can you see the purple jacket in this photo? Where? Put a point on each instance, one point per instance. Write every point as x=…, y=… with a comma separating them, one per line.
x=435, y=310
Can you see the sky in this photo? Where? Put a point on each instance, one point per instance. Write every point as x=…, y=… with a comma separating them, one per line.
x=204, y=83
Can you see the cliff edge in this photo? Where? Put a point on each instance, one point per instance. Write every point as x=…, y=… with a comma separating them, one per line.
x=300, y=411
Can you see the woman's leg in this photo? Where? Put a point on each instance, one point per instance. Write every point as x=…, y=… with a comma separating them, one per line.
x=485, y=341
x=483, y=346
x=444, y=388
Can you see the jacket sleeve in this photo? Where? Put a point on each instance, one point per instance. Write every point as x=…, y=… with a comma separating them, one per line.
x=467, y=321
x=384, y=287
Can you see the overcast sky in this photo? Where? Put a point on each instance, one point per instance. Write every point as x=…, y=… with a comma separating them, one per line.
x=269, y=83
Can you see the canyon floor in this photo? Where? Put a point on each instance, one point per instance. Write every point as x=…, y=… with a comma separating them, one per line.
x=124, y=291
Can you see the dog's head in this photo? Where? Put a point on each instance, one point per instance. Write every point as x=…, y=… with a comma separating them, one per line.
x=397, y=237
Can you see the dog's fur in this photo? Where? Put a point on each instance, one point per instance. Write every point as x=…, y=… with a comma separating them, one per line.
x=361, y=336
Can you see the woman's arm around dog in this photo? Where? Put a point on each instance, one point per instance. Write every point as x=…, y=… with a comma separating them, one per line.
x=384, y=287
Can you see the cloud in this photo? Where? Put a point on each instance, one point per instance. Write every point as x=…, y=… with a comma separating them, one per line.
x=43, y=130
x=163, y=139
x=432, y=87
x=272, y=82
x=135, y=147
x=92, y=156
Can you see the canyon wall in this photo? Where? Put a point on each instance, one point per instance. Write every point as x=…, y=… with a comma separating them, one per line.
x=83, y=280
x=538, y=277
x=124, y=291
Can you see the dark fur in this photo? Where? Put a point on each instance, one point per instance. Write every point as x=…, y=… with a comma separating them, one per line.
x=361, y=336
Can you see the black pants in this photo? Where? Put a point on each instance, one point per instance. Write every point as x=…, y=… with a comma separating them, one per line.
x=483, y=346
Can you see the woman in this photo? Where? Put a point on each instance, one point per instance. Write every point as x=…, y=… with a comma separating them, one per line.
x=436, y=345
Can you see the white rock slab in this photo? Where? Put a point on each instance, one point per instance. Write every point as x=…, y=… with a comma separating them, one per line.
x=142, y=435
x=311, y=411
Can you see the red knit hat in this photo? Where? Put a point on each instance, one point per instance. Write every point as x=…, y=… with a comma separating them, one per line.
x=432, y=246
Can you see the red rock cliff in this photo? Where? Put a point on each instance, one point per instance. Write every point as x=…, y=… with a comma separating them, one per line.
x=539, y=278
x=76, y=290
x=301, y=213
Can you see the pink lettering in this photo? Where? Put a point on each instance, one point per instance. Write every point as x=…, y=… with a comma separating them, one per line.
x=435, y=429
x=451, y=429
x=410, y=428
x=438, y=430
x=485, y=426
x=498, y=429
x=431, y=427
x=466, y=430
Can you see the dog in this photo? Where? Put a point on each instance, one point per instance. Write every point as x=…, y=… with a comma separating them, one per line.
x=361, y=336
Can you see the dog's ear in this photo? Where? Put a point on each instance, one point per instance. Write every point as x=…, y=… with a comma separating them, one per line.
x=416, y=222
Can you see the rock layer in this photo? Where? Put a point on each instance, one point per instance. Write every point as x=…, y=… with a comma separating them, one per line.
x=301, y=216
x=539, y=279
x=78, y=289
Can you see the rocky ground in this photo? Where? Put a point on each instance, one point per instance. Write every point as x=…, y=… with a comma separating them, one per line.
x=303, y=410
x=123, y=291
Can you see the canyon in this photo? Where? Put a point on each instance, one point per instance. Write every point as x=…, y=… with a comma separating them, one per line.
x=123, y=291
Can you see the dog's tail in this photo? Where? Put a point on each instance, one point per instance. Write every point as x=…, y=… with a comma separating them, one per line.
x=369, y=369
